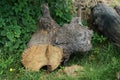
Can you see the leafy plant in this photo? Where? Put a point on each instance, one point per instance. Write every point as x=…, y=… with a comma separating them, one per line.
x=98, y=38
x=61, y=10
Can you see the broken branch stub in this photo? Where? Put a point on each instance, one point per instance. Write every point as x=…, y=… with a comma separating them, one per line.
x=51, y=43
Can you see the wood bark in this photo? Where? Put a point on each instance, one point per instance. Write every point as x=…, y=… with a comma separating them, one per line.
x=54, y=43
x=107, y=21
x=117, y=8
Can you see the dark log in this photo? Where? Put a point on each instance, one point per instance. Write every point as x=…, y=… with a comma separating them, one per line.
x=117, y=8
x=107, y=21
x=54, y=43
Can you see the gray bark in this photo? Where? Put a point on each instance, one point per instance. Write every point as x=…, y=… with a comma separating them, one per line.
x=107, y=21
x=117, y=8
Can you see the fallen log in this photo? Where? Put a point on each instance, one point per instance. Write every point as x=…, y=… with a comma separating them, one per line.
x=117, y=8
x=52, y=44
x=107, y=20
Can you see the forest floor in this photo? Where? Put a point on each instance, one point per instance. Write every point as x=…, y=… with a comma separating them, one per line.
x=112, y=2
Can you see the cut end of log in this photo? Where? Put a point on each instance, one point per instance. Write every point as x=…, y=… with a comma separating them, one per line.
x=54, y=55
x=35, y=57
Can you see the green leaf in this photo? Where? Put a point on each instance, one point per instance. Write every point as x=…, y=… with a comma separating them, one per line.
x=10, y=36
x=3, y=33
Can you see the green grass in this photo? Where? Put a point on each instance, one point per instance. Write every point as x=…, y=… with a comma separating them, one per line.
x=101, y=63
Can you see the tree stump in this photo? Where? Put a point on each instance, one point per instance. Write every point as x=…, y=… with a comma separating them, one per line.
x=107, y=21
x=52, y=44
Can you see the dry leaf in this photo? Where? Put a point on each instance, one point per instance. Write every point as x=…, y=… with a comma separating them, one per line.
x=73, y=70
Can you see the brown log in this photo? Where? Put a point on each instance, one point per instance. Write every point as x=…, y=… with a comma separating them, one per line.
x=52, y=44
x=107, y=21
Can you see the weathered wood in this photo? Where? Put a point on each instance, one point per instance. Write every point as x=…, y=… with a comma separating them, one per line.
x=117, y=8
x=60, y=41
x=73, y=38
x=107, y=21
